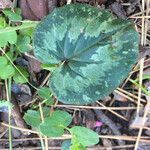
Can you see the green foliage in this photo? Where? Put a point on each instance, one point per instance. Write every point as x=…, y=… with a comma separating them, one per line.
x=54, y=125
x=13, y=16
x=7, y=37
x=6, y=69
x=49, y=67
x=45, y=93
x=32, y=118
x=18, y=78
x=10, y=39
x=8, y=32
x=23, y=43
x=92, y=49
x=3, y=61
x=83, y=137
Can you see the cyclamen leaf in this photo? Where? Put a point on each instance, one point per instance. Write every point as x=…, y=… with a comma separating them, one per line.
x=54, y=125
x=84, y=136
x=93, y=50
x=32, y=118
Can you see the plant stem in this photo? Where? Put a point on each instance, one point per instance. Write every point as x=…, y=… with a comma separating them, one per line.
x=24, y=26
x=8, y=94
x=142, y=88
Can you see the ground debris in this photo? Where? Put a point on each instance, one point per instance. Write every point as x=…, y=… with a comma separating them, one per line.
x=5, y=4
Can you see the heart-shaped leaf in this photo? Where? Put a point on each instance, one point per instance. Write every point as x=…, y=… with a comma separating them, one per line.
x=93, y=50
x=32, y=118
x=84, y=136
x=54, y=125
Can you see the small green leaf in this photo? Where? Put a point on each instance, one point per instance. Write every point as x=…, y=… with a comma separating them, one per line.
x=54, y=125
x=77, y=146
x=9, y=55
x=23, y=43
x=25, y=25
x=46, y=111
x=27, y=32
x=18, y=78
x=7, y=71
x=68, y=145
x=32, y=118
x=3, y=61
x=8, y=37
x=44, y=92
x=84, y=136
x=49, y=67
x=13, y=16
x=2, y=22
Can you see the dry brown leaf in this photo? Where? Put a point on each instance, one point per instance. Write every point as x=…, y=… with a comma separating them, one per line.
x=34, y=9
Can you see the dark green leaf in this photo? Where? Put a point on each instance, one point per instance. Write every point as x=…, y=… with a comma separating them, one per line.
x=32, y=118
x=54, y=125
x=94, y=51
x=84, y=136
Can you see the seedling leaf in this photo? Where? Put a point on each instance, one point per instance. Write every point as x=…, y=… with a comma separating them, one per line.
x=84, y=136
x=6, y=71
x=18, y=78
x=54, y=125
x=13, y=16
x=32, y=118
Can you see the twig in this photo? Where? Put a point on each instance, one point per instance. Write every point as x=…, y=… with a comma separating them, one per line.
x=113, y=112
x=18, y=118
